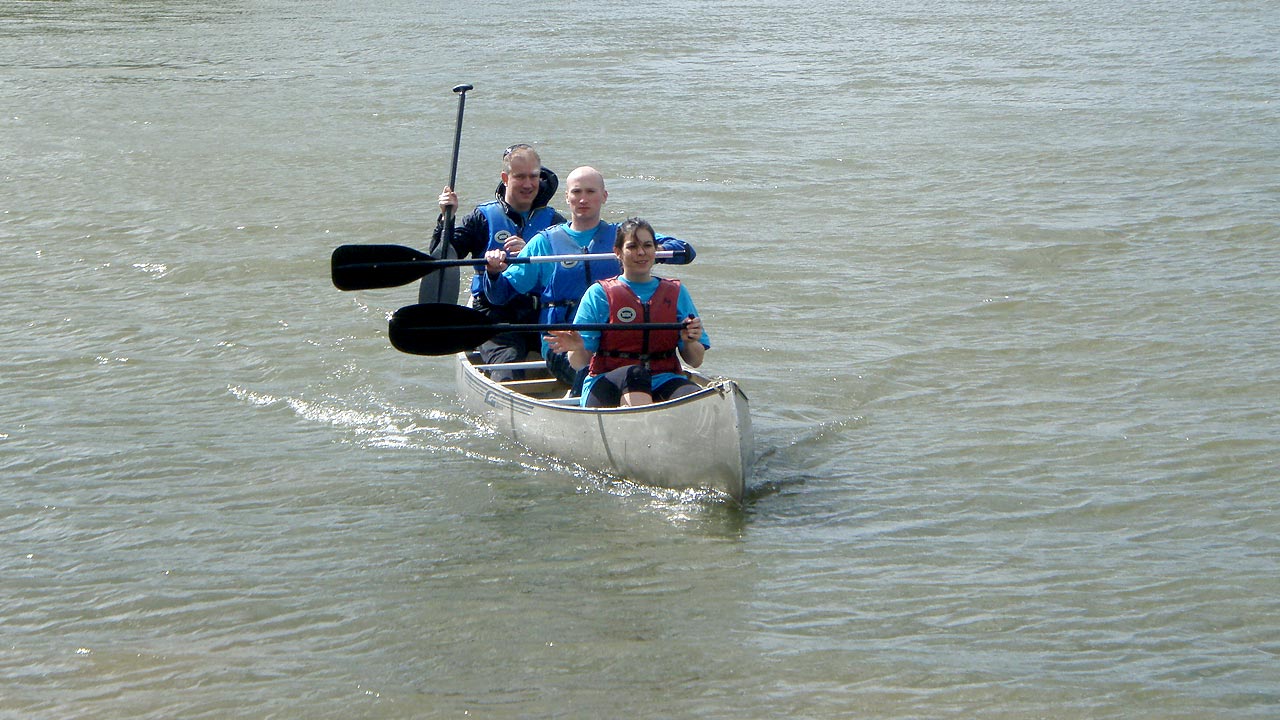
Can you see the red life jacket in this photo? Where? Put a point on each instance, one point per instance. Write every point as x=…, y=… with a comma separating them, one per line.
x=655, y=349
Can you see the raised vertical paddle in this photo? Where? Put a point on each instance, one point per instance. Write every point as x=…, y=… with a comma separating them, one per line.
x=442, y=287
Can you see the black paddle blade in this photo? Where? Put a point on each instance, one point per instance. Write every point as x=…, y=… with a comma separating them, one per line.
x=362, y=267
x=442, y=285
x=439, y=329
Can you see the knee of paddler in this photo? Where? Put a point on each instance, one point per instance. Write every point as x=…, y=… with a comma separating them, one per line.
x=638, y=379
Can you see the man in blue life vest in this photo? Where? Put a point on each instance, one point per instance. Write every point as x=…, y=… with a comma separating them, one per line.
x=518, y=212
x=560, y=286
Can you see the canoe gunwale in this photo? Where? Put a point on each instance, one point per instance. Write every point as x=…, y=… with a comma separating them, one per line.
x=715, y=385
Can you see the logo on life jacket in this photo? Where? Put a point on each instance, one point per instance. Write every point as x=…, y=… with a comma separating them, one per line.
x=501, y=236
x=626, y=315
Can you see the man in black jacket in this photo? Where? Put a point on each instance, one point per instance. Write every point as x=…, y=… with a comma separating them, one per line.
x=518, y=212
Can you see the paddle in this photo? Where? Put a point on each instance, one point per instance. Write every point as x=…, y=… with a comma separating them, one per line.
x=362, y=267
x=446, y=328
x=443, y=287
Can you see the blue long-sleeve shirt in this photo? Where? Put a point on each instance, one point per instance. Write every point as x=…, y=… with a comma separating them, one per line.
x=533, y=278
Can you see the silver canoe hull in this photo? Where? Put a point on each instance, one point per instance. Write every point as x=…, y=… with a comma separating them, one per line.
x=701, y=441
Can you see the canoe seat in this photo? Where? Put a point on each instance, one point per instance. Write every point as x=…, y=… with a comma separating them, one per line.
x=571, y=401
x=533, y=387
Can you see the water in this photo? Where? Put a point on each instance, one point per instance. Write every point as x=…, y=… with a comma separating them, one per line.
x=999, y=278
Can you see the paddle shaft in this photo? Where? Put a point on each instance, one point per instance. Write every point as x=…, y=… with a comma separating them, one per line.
x=428, y=265
x=495, y=328
x=453, y=165
x=362, y=267
x=442, y=287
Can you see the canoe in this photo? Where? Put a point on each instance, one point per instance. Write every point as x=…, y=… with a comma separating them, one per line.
x=702, y=441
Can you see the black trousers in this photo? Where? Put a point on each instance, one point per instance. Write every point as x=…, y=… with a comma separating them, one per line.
x=608, y=389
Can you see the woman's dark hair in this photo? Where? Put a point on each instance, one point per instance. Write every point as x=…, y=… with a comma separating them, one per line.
x=628, y=229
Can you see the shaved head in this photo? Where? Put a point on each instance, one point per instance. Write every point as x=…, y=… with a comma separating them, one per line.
x=588, y=174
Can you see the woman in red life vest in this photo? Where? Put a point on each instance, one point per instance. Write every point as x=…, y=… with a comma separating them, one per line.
x=641, y=366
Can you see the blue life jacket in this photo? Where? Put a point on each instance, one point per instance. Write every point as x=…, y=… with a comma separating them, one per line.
x=501, y=227
x=569, y=280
